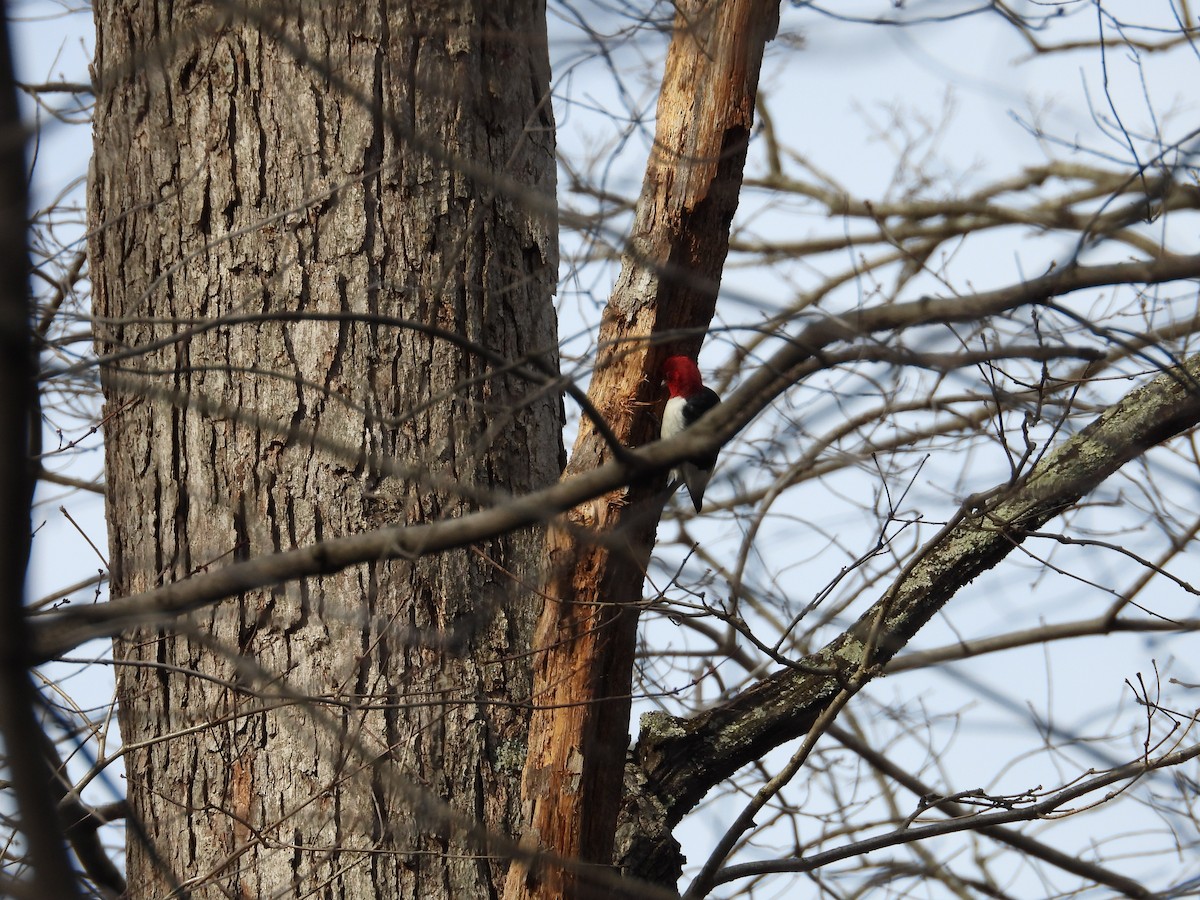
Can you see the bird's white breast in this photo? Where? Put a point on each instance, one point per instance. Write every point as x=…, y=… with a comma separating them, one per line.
x=673, y=421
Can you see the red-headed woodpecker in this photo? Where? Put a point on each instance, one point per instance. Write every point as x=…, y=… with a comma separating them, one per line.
x=689, y=400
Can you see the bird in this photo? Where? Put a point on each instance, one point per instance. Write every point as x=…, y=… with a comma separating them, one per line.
x=689, y=400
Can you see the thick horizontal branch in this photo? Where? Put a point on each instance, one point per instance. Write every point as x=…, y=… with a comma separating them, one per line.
x=65, y=629
x=682, y=759
x=58, y=632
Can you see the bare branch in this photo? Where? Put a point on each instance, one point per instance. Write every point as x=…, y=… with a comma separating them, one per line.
x=682, y=763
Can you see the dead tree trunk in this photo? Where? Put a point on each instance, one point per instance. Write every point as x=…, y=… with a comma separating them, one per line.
x=667, y=289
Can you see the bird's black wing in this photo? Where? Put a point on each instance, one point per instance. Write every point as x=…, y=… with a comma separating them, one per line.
x=697, y=405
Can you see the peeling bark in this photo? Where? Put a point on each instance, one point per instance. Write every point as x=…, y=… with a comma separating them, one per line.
x=668, y=283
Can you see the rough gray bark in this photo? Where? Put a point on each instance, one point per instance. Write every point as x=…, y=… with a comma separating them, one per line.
x=328, y=158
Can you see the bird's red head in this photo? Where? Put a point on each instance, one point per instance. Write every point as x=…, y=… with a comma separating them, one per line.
x=682, y=376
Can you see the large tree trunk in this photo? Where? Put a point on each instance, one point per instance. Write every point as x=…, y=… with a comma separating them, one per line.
x=323, y=159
